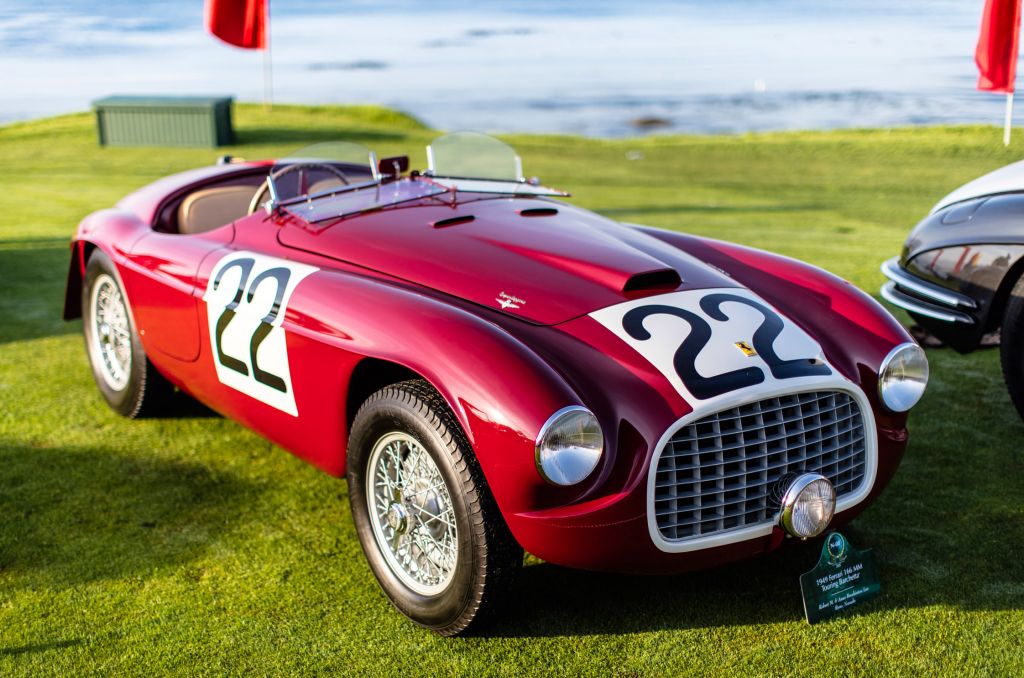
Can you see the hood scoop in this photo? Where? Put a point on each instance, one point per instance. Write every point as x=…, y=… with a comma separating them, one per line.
x=661, y=280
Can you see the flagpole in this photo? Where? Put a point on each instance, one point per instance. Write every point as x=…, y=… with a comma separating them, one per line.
x=1009, y=119
x=268, y=69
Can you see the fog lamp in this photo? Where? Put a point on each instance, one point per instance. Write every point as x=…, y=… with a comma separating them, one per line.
x=808, y=505
x=569, y=446
x=902, y=377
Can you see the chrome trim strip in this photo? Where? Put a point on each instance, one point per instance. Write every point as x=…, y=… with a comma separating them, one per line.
x=897, y=298
x=891, y=270
x=835, y=382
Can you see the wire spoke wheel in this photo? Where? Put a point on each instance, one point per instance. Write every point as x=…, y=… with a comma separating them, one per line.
x=430, y=529
x=124, y=376
x=412, y=514
x=111, y=334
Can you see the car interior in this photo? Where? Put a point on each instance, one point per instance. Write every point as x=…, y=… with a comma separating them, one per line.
x=235, y=197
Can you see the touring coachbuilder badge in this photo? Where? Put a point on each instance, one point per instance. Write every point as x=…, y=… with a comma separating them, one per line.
x=843, y=577
x=509, y=301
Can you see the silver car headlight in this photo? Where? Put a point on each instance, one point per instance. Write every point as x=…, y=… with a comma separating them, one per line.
x=808, y=505
x=903, y=377
x=569, y=446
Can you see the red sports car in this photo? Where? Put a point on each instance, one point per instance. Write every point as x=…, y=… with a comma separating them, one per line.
x=493, y=369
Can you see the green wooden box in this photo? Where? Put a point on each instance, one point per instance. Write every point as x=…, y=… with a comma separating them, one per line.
x=164, y=121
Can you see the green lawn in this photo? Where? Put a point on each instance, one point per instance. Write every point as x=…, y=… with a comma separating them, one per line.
x=193, y=546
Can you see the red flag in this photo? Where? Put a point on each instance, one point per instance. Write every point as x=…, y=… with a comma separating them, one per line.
x=996, y=55
x=242, y=23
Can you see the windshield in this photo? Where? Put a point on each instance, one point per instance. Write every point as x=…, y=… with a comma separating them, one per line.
x=363, y=199
x=473, y=156
x=476, y=163
x=337, y=179
x=322, y=167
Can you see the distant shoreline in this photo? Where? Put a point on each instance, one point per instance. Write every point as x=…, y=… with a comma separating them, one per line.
x=406, y=122
x=604, y=69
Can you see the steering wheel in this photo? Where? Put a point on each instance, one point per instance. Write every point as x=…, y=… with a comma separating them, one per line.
x=264, y=188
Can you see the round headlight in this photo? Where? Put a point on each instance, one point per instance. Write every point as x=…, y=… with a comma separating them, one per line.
x=569, y=446
x=808, y=505
x=902, y=377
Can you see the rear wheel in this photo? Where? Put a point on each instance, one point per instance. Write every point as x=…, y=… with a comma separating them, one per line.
x=128, y=382
x=1011, y=346
x=427, y=523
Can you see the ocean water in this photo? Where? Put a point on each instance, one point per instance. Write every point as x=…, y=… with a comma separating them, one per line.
x=599, y=68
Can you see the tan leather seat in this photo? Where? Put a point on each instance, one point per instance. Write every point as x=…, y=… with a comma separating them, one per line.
x=212, y=208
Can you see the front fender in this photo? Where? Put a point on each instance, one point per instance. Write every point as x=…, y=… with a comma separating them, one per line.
x=112, y=230
x=499, y=390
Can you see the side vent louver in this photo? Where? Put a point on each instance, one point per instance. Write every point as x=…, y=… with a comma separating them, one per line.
x=662, y=279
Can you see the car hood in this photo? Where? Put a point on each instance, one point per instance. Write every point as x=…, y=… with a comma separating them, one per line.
x=539, y=260
x=1008, y=179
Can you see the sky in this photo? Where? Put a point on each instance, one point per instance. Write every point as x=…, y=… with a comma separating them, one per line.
x=601, y=68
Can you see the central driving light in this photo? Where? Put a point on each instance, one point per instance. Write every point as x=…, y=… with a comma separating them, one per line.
x=808, y=505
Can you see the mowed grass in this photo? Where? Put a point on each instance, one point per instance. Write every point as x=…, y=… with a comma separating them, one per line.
x=191, y=546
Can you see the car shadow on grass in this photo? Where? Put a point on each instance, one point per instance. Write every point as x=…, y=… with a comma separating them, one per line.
x=917, y=569
x=554, y=601
x=70, y=515
x=32, y=278
x=14, y=651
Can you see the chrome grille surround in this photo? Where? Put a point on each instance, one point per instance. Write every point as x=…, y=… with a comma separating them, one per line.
x=716, y=472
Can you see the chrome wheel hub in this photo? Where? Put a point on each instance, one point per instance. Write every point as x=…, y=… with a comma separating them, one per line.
x=412, y=514
x=110, y=342
x=398, y=518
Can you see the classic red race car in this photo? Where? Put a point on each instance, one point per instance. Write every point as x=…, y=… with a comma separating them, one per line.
x=493, y=369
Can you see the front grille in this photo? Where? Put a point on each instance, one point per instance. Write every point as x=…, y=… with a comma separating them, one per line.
x=723, y=472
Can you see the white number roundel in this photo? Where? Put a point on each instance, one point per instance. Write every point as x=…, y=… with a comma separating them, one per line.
x=713, y=342
x=246, y=299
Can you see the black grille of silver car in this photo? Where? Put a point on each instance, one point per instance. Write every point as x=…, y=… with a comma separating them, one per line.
x=723, y=472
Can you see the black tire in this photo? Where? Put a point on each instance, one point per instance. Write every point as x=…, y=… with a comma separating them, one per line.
x=488, y=557
x=141, y=391
x=1011, y=346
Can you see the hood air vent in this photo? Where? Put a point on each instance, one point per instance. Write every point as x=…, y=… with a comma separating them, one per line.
x=454, y=221
x=661, y=280
x=538, y=212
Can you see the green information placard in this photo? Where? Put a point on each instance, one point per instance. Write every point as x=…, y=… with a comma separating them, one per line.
x=843, y=577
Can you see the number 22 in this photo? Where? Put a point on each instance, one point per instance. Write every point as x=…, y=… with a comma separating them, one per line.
x=700, y=334
x=280, y=275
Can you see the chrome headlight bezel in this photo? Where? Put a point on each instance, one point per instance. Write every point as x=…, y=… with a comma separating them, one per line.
x=568, y=464
x=798, y=505
x=903, y=377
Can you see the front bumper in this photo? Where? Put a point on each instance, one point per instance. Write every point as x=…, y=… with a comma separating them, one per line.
x=923, y=298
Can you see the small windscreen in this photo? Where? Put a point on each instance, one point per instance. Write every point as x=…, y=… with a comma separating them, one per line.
x=331, y=151
x=473, y=156
x=321, y=167
x=372, y=197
